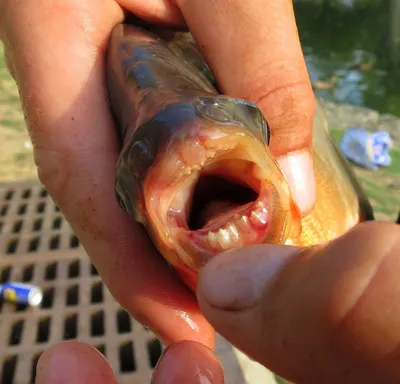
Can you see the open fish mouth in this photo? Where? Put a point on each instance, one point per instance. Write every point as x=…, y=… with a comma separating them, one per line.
x=221, y=194
x=220, y=207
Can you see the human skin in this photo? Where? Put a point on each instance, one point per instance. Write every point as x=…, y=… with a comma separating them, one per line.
x=55, y=52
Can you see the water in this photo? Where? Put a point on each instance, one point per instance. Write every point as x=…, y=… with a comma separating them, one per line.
x=347, y=48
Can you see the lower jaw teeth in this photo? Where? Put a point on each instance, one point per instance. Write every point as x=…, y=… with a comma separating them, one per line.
x=233, y=232
x=229, y=236
x=222, y=237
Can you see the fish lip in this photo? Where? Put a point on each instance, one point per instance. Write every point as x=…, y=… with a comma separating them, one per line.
x=161, y=186
x=239, y=230
x=194, y=247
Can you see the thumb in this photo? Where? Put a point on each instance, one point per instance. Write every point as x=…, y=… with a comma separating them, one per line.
x=322, y=314
x=255, y=53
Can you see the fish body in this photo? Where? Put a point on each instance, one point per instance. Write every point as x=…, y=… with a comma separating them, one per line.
x=195, y=167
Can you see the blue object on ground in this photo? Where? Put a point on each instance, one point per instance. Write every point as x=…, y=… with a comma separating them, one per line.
x=369, y=150
x=21, y=293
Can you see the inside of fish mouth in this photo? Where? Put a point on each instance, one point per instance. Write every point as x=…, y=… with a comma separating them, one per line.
x=223, y=191
x=216, y=196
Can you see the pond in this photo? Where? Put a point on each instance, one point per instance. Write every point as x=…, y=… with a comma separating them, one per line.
x=347, y=48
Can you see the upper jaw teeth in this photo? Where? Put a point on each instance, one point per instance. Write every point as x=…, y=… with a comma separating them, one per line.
x=209, y=154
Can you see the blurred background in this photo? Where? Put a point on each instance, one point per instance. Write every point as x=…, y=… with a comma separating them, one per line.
x=352, y=50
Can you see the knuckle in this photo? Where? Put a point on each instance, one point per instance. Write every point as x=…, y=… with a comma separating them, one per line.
x=373, y=264
x=287, y=104
x=280, y=88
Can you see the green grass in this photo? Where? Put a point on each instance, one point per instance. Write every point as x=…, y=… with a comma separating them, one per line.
x=11, y=115
x=2, y=59
x=8, y=123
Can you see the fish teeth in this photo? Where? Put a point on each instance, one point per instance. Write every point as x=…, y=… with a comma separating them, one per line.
x=223, y=238
x=214, y=134
x=262, y=217
x=211, y=153
x=259, y=173
x=244, y=220
x=187, y=170
x=233, y=232
x=244, y=225
x=212, y=238
x=259, y=204
x=259, y=216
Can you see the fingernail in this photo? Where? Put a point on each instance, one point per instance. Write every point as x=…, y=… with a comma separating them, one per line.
x=237, y=280
x=298, y=170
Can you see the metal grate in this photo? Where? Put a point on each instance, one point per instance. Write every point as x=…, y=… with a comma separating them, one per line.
x=30, y=222
x=37, y=246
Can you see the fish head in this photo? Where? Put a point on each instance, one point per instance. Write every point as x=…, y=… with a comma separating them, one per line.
x=200, y=177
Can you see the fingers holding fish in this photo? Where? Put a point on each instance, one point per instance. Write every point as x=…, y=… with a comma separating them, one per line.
x=57, y=54
x=155, y=11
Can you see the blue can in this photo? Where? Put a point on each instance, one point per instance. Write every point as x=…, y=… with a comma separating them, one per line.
x=369, y=150
x=21, y=293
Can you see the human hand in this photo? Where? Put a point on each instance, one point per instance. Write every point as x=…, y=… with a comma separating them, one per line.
x=73, y=362
x=325, y=314
x=55, y=52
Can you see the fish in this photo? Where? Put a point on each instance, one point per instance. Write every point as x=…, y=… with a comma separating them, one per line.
x=195, y=168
